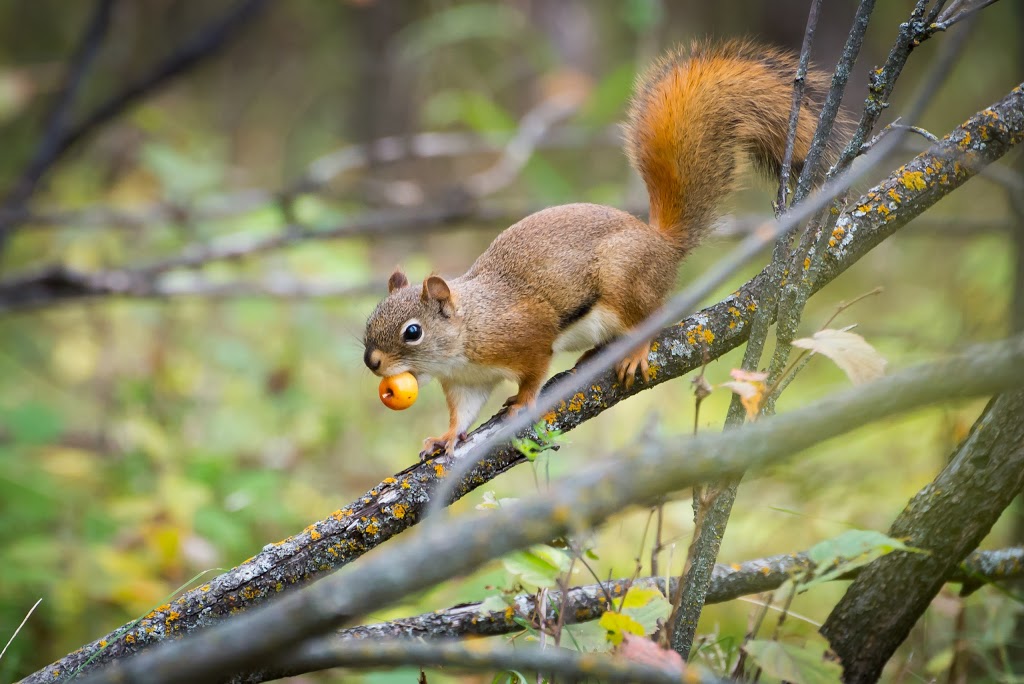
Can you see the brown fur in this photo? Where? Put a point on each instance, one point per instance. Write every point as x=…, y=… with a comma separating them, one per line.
x=694, y=116
x=587, y=272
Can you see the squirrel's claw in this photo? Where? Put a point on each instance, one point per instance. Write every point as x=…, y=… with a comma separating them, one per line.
x=441, y=446
x=437, y=446
x=626, y=370
x=513, y=407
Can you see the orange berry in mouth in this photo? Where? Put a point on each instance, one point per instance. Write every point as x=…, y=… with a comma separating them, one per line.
x=398, y=392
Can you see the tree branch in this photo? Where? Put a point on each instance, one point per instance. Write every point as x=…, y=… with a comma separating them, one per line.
x=830, y=110
x=589, y=602
x=552, y=661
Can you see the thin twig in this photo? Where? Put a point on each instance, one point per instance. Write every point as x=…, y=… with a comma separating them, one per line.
x=58, y=284
x=954, y=15
x=23, y=621
x=830, y=111
x=794, y=112
x=808, y=259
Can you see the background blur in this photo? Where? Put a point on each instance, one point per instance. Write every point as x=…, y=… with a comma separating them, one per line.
x=145, y=440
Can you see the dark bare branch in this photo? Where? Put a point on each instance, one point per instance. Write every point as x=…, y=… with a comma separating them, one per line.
x=588, y=603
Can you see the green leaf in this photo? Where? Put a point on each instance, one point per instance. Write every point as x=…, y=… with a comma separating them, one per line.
x=401, y=675
x=617, y=624
x=546, y=182
x=492, y=604
x=540, y=566
x=606, y=101
x=481, y=21
x=586, y=637
x=642, y=15
x=657, y=608
x=180, y=174
x=804, y=664
x=510, y=677
x=638, y=597
x=474, y=109
x=849, y=551
x=31, y=423
x=939, y=662
x=532, y=448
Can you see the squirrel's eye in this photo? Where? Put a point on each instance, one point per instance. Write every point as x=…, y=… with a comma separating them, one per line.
x=412, y=333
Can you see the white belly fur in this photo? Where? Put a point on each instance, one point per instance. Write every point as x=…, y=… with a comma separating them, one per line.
x=473, y=375
x=599, y=325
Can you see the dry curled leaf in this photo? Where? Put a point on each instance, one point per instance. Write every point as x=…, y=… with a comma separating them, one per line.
x=750, y=387
x=701, y=387
x=617, y=625
x=640, y=649
x=741, y=375
x=859, y=360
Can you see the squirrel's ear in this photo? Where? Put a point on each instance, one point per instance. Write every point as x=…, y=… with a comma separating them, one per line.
x=397, y=280
x=435, y=288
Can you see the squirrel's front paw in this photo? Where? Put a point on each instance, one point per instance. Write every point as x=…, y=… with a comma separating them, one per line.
x=441, y=446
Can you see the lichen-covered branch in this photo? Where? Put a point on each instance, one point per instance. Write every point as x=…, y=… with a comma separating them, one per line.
x=434, y=553
x=923, y=181
x=587, y=603
x=396, y=503
x=947, y=518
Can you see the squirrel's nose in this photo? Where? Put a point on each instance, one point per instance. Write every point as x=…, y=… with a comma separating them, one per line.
x=371, y=357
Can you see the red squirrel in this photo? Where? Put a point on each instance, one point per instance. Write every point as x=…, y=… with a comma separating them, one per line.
x=573, y=277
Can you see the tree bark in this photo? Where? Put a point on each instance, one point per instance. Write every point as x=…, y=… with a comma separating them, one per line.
x=948, y=519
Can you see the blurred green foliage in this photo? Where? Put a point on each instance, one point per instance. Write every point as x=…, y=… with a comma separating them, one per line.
x=144, y=442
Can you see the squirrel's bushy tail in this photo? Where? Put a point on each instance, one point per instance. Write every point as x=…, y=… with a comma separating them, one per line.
x=694, y=115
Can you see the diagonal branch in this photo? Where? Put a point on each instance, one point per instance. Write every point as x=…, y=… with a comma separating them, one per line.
x=398, y=502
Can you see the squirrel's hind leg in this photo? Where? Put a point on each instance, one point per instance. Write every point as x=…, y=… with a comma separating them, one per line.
x=627, y=367
x=531, y=379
